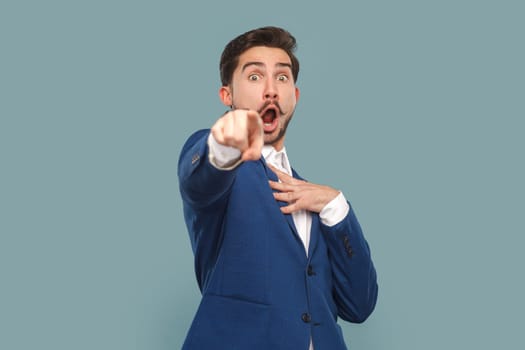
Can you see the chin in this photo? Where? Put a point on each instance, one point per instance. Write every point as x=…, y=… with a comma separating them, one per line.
x=273, y=138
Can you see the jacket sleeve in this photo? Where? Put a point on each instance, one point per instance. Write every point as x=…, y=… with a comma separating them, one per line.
x=204, y=190
x=201, y=184
x=354, y=275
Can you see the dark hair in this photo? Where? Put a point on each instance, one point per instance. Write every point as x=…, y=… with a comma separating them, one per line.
x=267, y=36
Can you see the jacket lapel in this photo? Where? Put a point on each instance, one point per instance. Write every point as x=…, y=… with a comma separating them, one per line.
x=314, y=234
x=289, y=219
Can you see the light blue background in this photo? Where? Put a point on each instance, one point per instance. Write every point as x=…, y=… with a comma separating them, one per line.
x=413, y=108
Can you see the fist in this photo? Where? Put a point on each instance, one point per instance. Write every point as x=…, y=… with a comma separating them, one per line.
x=241, y=129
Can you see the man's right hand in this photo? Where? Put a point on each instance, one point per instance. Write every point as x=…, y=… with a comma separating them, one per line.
x=241, y=129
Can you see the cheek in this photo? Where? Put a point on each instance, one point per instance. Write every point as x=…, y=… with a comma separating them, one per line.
x=247, y=94
x=289, y=92
x=289, y=98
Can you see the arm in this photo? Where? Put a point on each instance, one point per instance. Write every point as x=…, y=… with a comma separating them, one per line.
x=204, y=190
x=355, y=280
x=201, y=184
x=206, y=178
x=203, y=175
x=354, y=275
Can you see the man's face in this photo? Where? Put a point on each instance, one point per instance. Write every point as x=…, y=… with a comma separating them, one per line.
x=263, y=82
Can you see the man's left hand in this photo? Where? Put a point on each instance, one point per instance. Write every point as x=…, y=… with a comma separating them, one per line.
x=300, y=194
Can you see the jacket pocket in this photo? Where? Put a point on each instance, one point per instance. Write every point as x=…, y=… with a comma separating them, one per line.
x=228, y=323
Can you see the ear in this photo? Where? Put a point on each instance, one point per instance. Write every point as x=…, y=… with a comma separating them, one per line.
x=297, y=94
x=226, y=95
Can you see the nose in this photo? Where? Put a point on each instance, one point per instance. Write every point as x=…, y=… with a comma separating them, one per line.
x=270, y=92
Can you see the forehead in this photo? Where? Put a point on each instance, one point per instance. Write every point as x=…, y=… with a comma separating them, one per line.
x=269, y=56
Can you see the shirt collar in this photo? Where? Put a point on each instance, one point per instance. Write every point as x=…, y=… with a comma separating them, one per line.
x=268, y=152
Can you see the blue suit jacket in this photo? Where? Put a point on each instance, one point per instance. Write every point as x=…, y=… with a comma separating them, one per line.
x=259, y=288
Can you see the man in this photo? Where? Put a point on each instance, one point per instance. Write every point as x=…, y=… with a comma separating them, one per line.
x=277, y=259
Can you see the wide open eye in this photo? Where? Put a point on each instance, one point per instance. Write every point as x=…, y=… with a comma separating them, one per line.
x=254, y=77
x=283, y=78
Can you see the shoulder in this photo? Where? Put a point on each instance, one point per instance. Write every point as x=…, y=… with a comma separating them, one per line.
x=197, y=136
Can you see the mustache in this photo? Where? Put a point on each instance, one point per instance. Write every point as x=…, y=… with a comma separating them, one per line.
x=263, y=107
x=270, y=102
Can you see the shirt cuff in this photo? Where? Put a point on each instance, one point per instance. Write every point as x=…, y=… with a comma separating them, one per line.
x=335, y=211
x=223, y=157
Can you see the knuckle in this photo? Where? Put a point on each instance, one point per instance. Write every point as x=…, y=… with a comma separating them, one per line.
x=238, y=139
x=240, y=114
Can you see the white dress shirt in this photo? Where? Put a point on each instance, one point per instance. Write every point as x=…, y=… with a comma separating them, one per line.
x=302, y=218
x=227, y=158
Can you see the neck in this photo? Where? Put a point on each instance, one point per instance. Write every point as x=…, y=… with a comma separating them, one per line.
x=278, y=145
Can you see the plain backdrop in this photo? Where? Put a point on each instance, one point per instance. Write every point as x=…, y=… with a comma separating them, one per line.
x=414, y=109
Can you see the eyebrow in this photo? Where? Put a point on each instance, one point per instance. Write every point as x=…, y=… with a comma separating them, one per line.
x=262, y=65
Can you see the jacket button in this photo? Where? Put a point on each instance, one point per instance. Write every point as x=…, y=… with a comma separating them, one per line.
x=306, y=317
x=310, y=270
x=348, y=247
x=195, y=158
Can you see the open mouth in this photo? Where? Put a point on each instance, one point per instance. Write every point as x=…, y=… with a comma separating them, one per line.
x=270, y=119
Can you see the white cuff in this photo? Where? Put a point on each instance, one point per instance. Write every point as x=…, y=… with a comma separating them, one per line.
x=335, y=211
x=223, y=157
